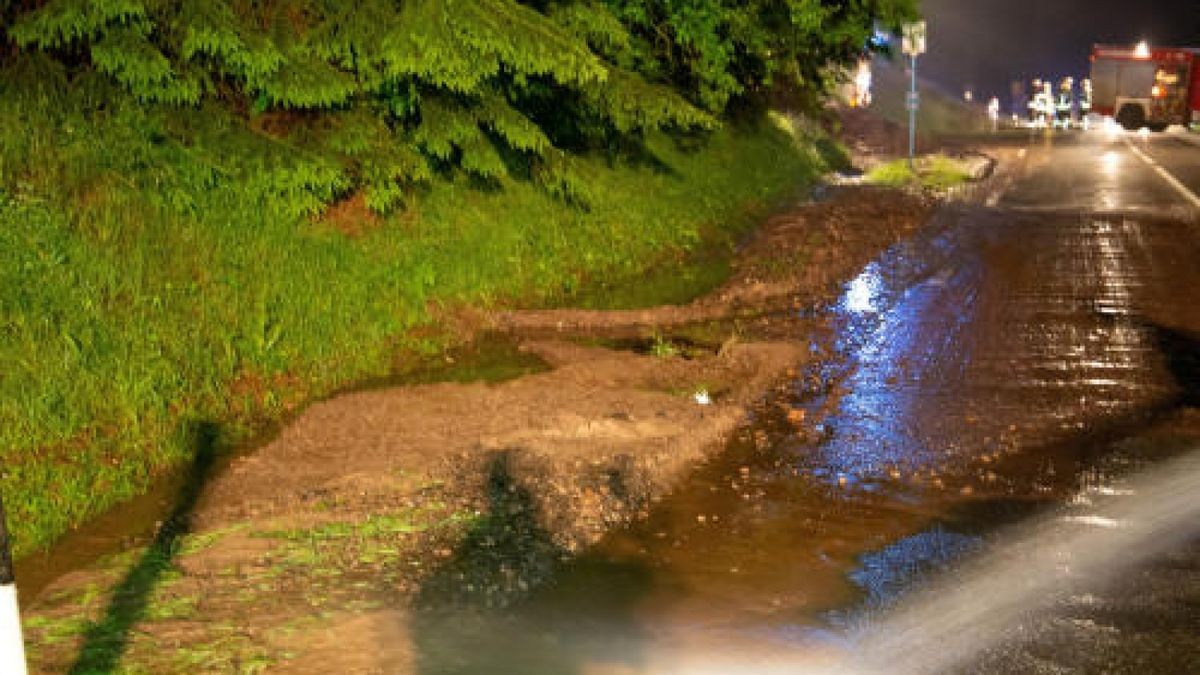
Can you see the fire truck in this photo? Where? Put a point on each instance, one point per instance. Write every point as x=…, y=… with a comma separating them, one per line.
x=1141, y=86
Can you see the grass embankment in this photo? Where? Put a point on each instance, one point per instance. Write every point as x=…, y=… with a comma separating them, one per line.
x=161, y=272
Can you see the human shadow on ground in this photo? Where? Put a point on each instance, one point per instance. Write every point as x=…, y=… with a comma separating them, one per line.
x=497, y=606
x=107, y=638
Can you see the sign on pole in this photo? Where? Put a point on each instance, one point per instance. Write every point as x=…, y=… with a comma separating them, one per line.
x=914, y=38
x=914, y=46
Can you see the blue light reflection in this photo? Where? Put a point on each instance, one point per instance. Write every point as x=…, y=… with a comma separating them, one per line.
x=862, y=294
x=901, y=347
x=886, y=575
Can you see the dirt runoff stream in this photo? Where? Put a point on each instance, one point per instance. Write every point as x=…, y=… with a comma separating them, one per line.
x=311, y=553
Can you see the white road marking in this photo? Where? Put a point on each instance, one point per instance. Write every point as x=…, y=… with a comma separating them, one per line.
x=1166, y=175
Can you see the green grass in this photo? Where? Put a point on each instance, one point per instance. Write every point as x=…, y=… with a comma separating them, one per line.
x=942, y=173
x=337, y=548
x=162, y=269
x=892, y=174
x=935, y=172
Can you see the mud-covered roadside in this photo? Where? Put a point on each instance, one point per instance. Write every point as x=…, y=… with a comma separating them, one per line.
x=798, y=258
x=378, y=500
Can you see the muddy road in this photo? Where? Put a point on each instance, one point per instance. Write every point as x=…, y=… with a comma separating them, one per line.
x=981, y=395
x=1014, y=360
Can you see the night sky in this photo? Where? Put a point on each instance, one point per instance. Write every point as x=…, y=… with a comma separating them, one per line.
x=989, y=43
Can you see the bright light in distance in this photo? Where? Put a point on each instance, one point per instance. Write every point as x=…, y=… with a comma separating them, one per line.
x=1142, y=51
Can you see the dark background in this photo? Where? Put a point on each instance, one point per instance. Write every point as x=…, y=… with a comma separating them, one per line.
x=986, y=44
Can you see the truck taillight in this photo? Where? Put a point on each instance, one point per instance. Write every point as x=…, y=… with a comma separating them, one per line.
x=1158, y=91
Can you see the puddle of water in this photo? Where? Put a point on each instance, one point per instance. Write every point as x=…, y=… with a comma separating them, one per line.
x=672, y=284
x=757, y=567
x=493, y=358
x=121, y=528
x=657, y=344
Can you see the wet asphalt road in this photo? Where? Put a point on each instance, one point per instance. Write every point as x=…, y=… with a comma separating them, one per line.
x=1016, y=360
x=1110, y=172
x=1176, y=152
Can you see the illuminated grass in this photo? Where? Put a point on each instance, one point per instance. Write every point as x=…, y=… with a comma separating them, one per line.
x=935, y=172
x=892, y=174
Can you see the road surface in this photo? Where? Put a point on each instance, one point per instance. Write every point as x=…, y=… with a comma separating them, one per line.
x=1017, y=363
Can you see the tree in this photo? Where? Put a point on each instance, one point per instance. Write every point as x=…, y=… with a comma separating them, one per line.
x=399, y=90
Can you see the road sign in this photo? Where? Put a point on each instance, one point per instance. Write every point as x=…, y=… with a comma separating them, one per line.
x=914, y=38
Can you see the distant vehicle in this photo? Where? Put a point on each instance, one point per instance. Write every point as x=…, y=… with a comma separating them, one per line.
x=1144, y=87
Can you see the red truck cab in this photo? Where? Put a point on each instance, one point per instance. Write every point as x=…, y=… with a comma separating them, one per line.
x=1144, y=87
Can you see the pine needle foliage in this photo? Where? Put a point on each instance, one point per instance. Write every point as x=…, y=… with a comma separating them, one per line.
x=485, y=87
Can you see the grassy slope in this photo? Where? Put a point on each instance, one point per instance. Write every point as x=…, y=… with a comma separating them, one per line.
x=158, y=271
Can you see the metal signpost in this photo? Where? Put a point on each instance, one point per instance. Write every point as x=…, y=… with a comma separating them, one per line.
x=914, y=46
x=12, y=646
